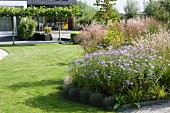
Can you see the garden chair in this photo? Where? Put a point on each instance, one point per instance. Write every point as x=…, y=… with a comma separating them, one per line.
x=40, y=25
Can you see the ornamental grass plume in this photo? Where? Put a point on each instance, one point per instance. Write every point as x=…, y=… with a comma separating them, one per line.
x=159, y=41
x=135, y=28
x=91, y=38
x=153, y=25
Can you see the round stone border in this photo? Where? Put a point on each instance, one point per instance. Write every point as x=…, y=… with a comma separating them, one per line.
x=159, y=106
x=3, y=54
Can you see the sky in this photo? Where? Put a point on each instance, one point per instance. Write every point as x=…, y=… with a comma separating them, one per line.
x=120, y=4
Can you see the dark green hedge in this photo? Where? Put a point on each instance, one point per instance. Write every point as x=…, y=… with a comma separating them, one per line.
x=73, y=35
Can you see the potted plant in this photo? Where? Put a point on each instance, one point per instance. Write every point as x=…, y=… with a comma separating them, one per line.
x=48, y=35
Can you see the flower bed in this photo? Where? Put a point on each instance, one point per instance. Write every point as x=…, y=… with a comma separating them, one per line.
x=127, y=75
x=111, y=78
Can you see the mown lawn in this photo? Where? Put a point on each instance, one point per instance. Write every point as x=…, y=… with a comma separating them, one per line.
x=31, y=79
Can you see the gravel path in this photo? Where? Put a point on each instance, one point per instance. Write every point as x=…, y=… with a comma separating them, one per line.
x=159, y=108
x=3, y=54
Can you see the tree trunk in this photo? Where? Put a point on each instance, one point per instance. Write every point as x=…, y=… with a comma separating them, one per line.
x=12, y=23
x=59, y=31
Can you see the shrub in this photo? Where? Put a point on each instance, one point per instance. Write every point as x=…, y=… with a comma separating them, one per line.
x=157, y=92
x=115, y=35
x=91, y=38
x=109, y=103
x=65, y=91
x=96, y=99
x=73, y=37
x=165, y=80
x=74, y=94
x=125, y=71
x=26, y=29
x=84, y=95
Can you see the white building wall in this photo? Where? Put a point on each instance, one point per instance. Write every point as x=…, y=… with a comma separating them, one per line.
x=14, y=4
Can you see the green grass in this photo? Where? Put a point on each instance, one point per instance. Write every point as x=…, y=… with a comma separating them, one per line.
x=31, y=79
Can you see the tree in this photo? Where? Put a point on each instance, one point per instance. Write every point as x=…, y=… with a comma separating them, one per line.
x=160, y=10
x=107, y=11
x=88, y=13
x=165, y=4
x=131, y=9
x=151, y=7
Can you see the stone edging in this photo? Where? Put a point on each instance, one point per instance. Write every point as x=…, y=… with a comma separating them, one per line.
x=3, y=54
x=149, y=103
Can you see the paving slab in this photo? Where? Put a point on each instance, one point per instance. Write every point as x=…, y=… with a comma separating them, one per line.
x=3, y=54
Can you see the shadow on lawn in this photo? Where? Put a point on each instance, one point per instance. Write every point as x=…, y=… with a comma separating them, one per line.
x=58, y=64
x=55, y=103
x=17, y=45
x=52, y=102
x=35, y=84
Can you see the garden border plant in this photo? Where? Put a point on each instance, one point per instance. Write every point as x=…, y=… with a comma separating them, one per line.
x=26, y=29
x=73, y=37
x=128, y=75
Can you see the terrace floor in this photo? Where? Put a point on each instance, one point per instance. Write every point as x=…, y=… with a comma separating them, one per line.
x=7, y=35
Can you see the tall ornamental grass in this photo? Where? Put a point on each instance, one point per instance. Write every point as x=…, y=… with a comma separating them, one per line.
x=159, y=41
x=140, y=27
x=91, y=38
x=123, y=32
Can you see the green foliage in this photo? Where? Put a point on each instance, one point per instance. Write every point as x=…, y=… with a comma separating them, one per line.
x=166, y=5
x=125, y=71
x=88, y=13
x=134, y=95
x=157, y=92
x=115, y=35
x=151, y=8
x=96, y=99
x=120, y=101
x=85, y=95
x=153, y=28
x=131, y=9
x=73, y=37
x=166, y=79
x=42, y=11
x=65, y=91
x=26, y=29
x=107, y=11
x=159, y=10
x=74, y=94
x=48, y=30
x=109, y=102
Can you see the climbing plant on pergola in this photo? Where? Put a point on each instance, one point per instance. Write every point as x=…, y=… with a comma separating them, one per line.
x=38, y=12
